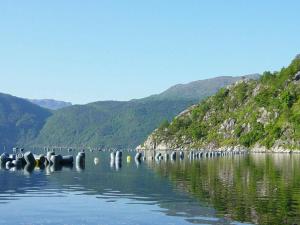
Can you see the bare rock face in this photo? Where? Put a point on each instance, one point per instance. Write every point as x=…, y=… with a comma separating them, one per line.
x=186, y=112
x=227, y=128
x=256, y=90
x=149, y=144
x=246, y=127
x=264, y=116
x=228, y=125
x=297, y=76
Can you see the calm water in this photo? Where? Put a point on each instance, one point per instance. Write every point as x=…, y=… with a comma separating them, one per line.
x=253, y=189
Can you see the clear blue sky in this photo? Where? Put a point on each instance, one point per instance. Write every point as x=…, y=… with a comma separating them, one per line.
x=84, y=51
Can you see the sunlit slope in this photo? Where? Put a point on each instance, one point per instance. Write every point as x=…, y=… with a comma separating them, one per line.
x=259, y=114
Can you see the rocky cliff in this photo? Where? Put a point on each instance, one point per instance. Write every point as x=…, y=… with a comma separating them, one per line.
x=261, y=115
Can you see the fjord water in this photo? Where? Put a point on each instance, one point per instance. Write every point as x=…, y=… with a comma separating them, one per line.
x=255, y=189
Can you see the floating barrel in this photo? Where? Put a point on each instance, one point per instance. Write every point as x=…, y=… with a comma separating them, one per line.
x=29, y=158
x=49, y=154
x=112, y=155
x=80, y=158
x=18, y=163
x=166, y=156
x=4, y=158
x=138, y=156
x=173, y=156
x=118, y=165
x=20, y=157
x=28, y=168
x=68, y=159
x=12, y=156
x=112, y=163
x=80, y=161
x=96, y=161
x=157, y=156
x=56, y=159
x=181, y=155
x=9, y=165
x=118, y=154
x=40, y=158
x=118, y=157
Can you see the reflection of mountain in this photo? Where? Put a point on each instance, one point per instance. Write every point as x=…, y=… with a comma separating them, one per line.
x=263, y=189
x=248, y=188
x=101, y=181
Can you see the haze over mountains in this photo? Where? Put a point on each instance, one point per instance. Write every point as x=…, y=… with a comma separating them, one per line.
x=50, y=103
x=99, y=124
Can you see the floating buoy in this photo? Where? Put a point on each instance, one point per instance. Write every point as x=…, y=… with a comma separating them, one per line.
x=68, y=159
x=9, y=165
x=118, y=154
x=118, y=165
x=181, y=155
x=157, y=156
x=4, y=158
x=29, y=158
x=138, y=156
x=49, y=154
x=173, y=156
x=80, y=161
x=96, y=161
x=128, y=159
x=113, y=156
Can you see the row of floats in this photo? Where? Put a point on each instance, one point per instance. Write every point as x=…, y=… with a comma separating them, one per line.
x=28, y=160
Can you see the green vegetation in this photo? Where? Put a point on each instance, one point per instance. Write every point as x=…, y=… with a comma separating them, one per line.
x=20, y=121
x=259, y=189
x=115, y=124
x=107, y=124
x=123, y=124
x=262, y=112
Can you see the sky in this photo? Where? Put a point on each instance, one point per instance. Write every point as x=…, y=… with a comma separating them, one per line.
x=92, y=50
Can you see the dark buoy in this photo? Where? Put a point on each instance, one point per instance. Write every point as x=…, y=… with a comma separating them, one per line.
x=56, y=159
x=68, y=159
x=173, y=156
x=138, y=156
x=4, y=158
x=9, y=165
x=29, y=158
x=181, y=155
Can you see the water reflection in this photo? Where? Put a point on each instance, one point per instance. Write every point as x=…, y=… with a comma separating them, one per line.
x=127, y=193
x=258, y=188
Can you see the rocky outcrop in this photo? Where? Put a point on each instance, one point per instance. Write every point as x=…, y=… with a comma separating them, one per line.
x=260, y=115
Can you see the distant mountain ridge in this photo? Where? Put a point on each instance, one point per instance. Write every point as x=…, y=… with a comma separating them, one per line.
x=200, y=88
x=127, y=123
x=50, y=103
x=100, y=124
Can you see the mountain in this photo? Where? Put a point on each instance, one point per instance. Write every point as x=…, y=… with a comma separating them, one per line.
x=123, y=124
x=261, y=115
x=201, y=88
x=20, y=120
x=50, y=103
